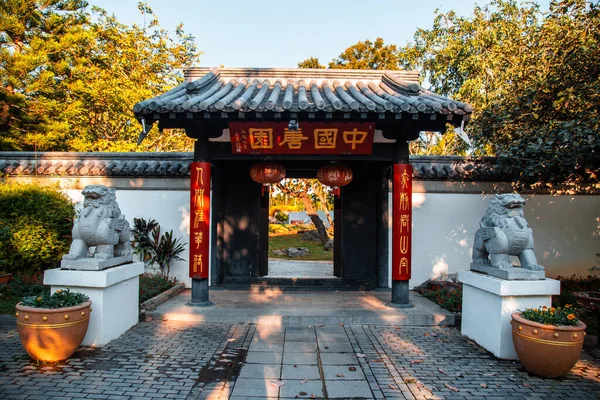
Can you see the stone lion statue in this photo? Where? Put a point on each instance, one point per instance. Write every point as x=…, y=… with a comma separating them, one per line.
x=99, y=224
x=503, y=233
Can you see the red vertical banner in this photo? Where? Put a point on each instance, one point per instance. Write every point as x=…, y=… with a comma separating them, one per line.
x=199, y=220
x=402, y=222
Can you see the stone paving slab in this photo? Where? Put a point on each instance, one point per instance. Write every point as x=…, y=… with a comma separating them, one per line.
x=293, y=389
x=284, y=268
x=179, y=360
x=339, y=389
x=261, y=371
x=262, y=357
x=300, y=347
x=300, y=372
x=300, y=358
x=333, y=372
x=278, y=308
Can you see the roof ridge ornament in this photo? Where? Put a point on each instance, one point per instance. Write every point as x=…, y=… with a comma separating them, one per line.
x=394, y=80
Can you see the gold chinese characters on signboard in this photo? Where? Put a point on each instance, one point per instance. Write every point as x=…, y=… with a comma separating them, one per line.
x=309, y=138
x=200, y=219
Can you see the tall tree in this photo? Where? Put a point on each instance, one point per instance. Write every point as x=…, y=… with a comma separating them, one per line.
x=128, y=64
x=533, y=81
x=439, y=144
x=70, y=84
x=311, y=62
x=42, y=44
x=368, y=55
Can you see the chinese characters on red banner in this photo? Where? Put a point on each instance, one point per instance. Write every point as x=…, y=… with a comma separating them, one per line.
x=199, y=220
x=402, y=222
x=310, y=138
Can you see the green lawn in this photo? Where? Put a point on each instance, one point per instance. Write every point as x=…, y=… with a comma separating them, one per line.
x=283, y=242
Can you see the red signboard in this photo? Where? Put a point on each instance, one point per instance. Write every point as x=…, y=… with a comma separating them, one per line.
x=402, y=222
x=309, y=138
x=199, y=219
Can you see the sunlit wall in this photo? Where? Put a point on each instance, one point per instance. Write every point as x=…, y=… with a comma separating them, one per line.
x=445, y=218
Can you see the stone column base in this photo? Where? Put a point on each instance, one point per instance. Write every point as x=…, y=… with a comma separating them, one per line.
x=114, y=293
x=488, y=303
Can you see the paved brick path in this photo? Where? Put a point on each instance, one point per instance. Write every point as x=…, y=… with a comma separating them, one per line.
x=185, y=360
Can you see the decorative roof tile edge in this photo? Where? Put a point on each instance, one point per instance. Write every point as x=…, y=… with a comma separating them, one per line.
x=191, y=73
x=224, y=91
x=177, y=164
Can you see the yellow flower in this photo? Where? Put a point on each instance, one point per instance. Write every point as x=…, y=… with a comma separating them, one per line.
x=545, y=308
x=567, y=306
x=58, y=291
x=552, y=309
x=571, y=317
x=39, y=299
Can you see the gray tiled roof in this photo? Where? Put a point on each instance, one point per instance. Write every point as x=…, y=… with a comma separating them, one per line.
x=244, y=90
x=177, y=164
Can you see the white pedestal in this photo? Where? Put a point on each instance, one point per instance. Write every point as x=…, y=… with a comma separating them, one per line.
x=115, y=298
x=488, y=303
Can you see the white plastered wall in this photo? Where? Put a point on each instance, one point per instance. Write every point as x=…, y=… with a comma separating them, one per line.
x=566, y=228
x=566, y=232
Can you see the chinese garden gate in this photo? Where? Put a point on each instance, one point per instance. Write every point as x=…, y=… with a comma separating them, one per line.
x=303, y=119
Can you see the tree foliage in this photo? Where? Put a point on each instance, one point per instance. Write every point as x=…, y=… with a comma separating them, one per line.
x=312, y=194
x=311, y=62
x=439, y=144
x=42, y=44
x=533, y=80
x=531, y=76
x=368, y=55
x=35, y=227
x=71, y=76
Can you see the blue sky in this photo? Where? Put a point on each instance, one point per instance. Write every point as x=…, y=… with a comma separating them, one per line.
x=279, y=34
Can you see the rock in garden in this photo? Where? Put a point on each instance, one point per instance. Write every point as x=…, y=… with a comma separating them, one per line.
x=279, y=252
x=312, y=236
x=297, y=251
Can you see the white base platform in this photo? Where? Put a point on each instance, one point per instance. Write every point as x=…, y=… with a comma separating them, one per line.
x=115, y=298
x=488, y=303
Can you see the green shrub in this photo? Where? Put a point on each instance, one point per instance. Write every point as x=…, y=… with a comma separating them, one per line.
x=22, y=285
x=154, y=284
x=281, y=217
x=35, y=227
x=451, y=300
x=579, y=283
x=58, y=299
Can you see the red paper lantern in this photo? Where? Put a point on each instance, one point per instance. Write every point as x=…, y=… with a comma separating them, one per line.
x=267, y=173
x=335, y=175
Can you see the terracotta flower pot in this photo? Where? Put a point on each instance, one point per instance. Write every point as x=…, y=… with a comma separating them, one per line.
x=5, y=278
x=547, y=350
x=52, y=334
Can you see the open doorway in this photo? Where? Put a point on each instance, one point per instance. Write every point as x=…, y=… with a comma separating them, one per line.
x=301, y=230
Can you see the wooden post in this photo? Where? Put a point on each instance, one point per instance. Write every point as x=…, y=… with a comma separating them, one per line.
x=401, y=226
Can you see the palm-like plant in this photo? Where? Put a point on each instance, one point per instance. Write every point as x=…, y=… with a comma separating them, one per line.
x=168, y=249
x=154, y=247
x=143, y=243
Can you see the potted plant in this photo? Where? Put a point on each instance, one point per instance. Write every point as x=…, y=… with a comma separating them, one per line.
x=5, y=277
x=548, y=341
x=51, y=327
